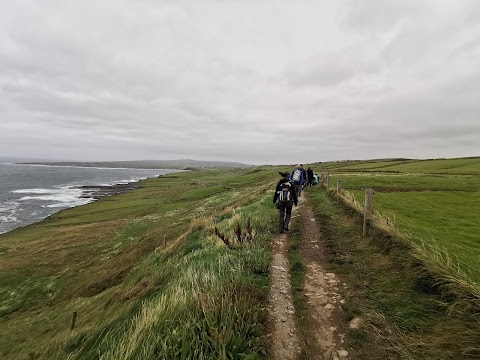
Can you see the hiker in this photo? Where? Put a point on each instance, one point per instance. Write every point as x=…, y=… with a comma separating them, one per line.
x=309, y=177
x=286, y=195
x=305, y=179
x=298, y=178
x=315, y=179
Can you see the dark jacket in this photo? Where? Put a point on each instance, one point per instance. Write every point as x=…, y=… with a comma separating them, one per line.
x=294, y=192
x=310, y=175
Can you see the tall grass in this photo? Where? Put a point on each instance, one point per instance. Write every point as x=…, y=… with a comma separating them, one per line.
x=206, y=311
x=409, y=303
x=435, y=271
x=448, y=268
x=145, y=273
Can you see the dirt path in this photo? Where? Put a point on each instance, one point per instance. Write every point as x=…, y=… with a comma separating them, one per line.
x=285, y=342
x=323, y=291
x=324, y=336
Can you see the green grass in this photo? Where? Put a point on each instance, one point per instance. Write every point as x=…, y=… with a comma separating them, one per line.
x=443, y=166
x=136, y=297
x=430, y=208
x=150, y=279
x=298, y=271
x=405, y=317
x=407, y=182
x=441, y=211
x=434, y=203
x=205, y=310
x=448, y=220
x=459, y=166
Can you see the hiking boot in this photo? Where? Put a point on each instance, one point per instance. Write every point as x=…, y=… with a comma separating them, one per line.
x=286, y=229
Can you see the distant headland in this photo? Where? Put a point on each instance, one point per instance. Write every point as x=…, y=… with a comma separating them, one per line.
x=182, y=164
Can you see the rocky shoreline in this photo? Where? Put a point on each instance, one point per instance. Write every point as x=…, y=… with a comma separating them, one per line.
x=101, y=191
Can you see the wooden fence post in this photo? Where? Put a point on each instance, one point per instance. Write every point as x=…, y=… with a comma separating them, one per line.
x=339, y=188
x=367, y=209
x=328, y=180
x=74, y=319
x=370, y=201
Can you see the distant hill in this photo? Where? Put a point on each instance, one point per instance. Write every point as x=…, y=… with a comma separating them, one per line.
x=18, y=160
x=183, y=164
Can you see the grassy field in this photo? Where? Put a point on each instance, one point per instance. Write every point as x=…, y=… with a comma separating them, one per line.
x=145, y=273
x=417, y=289
x=434, y=203
x=150, y=277
x=404, y=316
x=460, y=166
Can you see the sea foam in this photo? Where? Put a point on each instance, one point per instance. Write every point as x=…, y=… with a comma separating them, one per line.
x=61, y=197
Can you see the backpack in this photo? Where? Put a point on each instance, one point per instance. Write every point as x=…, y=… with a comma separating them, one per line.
x=285, y=192
x=297, y=175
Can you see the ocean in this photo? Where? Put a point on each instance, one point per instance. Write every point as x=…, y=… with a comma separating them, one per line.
x=30, y=193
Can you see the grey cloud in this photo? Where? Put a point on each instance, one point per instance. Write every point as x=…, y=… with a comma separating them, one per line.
x=233, y=80
x=377, y=16
x=322, y=75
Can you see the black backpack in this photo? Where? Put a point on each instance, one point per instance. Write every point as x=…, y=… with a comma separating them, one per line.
x=285, y=192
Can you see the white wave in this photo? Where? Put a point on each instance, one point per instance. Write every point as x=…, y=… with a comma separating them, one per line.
x=58, y=197
x=33, y=191
x=78, y=202
x=8, y=212
x=8, y=218
x=111, y=183
x=62, y=197
x=128, y=181
x=123, y=182
x=9, y=207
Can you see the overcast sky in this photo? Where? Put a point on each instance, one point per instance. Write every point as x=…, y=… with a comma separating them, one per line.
x=251, y=81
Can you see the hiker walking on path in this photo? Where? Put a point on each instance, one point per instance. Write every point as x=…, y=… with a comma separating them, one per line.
x=309, y=177
x=298, y=177
x=305, y=179
x=286, y=195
